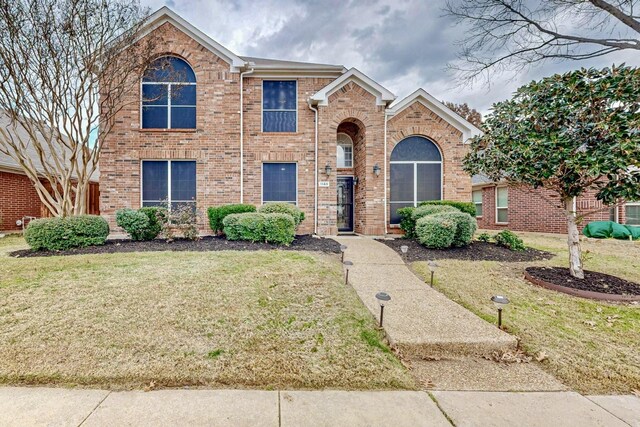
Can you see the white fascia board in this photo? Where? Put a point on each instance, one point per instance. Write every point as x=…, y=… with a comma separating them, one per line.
x=468, y=130
x=164, y=14
x=383, y=95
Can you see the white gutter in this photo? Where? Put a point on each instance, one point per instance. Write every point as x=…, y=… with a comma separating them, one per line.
x=242, y=132
x=315, y=170
x=386, y=219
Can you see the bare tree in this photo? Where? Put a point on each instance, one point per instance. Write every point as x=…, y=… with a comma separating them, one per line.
x=63, y=79
x=505, y=35
x=469, y=114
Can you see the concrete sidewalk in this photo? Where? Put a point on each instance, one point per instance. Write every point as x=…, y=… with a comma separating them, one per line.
x=22, y=406
x=419, y=320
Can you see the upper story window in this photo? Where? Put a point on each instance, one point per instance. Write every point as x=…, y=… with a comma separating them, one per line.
x=345, y=151
x=279, y=106
x=169, y=95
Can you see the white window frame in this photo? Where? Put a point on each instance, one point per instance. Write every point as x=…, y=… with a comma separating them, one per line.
x=481, y=191
x=502, y=207
x=339, y=145
x=626, y=217
x=262, y=202
x=169, y=84
x=262, y=110
x=169, y=200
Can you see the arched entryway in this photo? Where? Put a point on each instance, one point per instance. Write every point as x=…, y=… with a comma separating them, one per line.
x=416, y=174
x=350, y=136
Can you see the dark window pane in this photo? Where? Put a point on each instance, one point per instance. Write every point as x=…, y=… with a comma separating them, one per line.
x=183, y=95
x=154, y=117
x=154, y=180
x=402, y=182
x=169, y=69
x=415, y=148
x=428, y=181
x=279, y=182
x=279, y=121
x=183, y=117
x=183, y=180
x=395, y=218
x=279, y=95
x=154, y=94
x=183, y=208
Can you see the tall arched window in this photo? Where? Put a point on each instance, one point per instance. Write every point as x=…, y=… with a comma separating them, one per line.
x=169, y=95
x=416, y=174
x=345, y=151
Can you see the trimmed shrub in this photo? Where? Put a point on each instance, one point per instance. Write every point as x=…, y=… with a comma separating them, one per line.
x=466, y=226
x=217, y=214
x=435, y=231
x=424, y=210
x=59, y=234
x=142, y=224
x=279, y=228
x=407, y=223
x=276, y=228
x=285, y=208
x=484, y=237
x=466, y=207
x=509, y=240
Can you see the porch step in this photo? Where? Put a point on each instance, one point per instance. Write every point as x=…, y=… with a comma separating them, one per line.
x=420, y=321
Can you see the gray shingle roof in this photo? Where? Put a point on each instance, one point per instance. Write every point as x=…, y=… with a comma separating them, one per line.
x=281, y=64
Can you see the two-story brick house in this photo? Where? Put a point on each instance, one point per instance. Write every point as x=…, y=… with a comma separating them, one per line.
x=235, y=129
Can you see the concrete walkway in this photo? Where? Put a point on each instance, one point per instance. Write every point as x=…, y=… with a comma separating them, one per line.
x=419, y=320
x=23, y=406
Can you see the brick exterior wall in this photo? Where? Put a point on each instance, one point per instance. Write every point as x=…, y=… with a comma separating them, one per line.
x=539, y=210
x=18, y=198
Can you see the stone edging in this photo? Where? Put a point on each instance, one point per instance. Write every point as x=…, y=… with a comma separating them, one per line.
x=580, y=293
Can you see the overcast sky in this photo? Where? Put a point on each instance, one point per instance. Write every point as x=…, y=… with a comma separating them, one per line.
x=402, y=44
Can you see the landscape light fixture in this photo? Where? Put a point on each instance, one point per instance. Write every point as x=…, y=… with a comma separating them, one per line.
x=404, y=249
x=500, y=302
x=376, y=169
x=347, y=266
x=433, y=266
x=382, y=298
x=343, y=249
x=327, y=169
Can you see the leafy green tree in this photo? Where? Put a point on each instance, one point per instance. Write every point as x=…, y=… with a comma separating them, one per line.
x=568, y=133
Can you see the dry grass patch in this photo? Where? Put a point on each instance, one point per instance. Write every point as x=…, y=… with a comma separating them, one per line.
x=225, y=319
x=591, y=346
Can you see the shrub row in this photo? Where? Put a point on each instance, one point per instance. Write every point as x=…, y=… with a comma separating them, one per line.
x=466, y=207
x=445, y=229
x=217, y=214
x=142, y=224
x=410, y=215
x=285, y=208
x=58, y=234
x=279, y=228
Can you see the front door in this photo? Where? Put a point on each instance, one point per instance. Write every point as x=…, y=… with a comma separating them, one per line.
x=345, y=204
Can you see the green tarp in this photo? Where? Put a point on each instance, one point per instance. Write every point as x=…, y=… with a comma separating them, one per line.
x=606, y=229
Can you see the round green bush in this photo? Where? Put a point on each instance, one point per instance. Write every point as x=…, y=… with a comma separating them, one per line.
x=142, y=224
x=466, y=226
x=276, y=228
x=509, y=240
x=279, y=228
x=436, y=232
x=218, y=213
x=285, y=208
x=424, y=210
x=466, y=207
x=59, y=234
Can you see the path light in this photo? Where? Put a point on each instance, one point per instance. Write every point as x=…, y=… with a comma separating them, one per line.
x=404, y=249
x=376, y=169
x=343, y=249
x=347, y=266
x=500, y=302
x=432, y=268
x=382, y=298
x=327, y=169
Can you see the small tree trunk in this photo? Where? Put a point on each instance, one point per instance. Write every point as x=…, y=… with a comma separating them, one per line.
x=573, y=240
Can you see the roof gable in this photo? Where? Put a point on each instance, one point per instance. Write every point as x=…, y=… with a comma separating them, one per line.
x=165, y=14
x=383, y=95
x=422, y=96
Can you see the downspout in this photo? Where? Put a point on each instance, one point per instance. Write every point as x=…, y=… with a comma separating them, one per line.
x=315, y=170
x=242, y=131
x=386, y=219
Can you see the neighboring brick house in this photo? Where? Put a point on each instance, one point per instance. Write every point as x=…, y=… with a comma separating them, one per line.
x=234, y=129
x=18, y=197
x=538, y=210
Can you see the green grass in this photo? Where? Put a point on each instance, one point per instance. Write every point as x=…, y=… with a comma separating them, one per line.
x=593, y=347
x=267, y=319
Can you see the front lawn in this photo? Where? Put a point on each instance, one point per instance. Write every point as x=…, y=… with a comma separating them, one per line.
x=591, y=346
x=265, y=319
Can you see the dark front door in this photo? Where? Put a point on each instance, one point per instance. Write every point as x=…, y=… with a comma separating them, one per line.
x=345, y=203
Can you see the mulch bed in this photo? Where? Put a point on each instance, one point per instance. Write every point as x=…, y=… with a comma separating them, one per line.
x=476, y=251
x=594, y=285
x=210, y=243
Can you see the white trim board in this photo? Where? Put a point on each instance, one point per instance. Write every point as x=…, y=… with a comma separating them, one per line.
x=383, y=95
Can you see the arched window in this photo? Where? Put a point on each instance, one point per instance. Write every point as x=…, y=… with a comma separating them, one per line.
x=416, y=174
x=345, y=151
x=169, y=95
